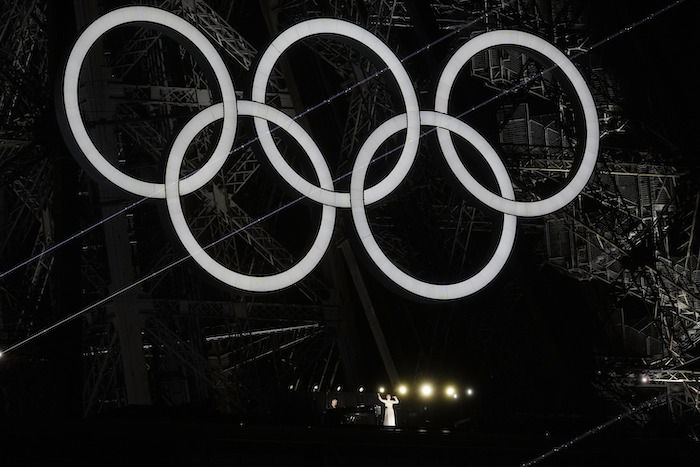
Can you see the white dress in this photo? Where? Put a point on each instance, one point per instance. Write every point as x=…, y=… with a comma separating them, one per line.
x=389, y=417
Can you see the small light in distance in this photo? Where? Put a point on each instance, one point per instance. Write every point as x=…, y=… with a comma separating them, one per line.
x=339, y=388
x=645, y=379
x=470, y=392
x=361, y=389
x=403, y=389
x=426, y=390
x=315, y=387
x=450, y=390
x=381, y=389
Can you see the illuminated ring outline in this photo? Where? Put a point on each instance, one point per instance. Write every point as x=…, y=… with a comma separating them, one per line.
x=269, y=283
x=139, y=14
x=359, y=196
x=403, y=280
x=336, y=27
x=542, y=47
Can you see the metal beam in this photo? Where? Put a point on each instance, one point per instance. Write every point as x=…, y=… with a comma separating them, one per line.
x=368, y=308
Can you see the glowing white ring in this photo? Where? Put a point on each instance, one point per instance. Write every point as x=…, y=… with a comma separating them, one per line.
x=240, y=281
x=142, y=14
x=340, y=28
x=407, y=282
x=359, y=196
x=522, y=39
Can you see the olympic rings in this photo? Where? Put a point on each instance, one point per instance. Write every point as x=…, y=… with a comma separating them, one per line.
x=359, y=196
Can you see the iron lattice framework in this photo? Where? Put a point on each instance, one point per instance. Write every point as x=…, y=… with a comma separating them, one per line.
x=633, y=228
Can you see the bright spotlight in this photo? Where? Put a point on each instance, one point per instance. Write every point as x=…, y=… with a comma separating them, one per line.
x=645, y=379
x=450, y=390
x=315, y=387
x=454, y=396
x=361, y=389
x=470, y=392
x=381, y=389
x=426, y=390
x=339, y=388
x=403, y=389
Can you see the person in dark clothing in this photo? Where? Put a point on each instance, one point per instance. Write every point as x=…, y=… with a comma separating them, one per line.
x=334, y=414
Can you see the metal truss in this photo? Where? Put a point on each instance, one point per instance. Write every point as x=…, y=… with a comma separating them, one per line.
x=636, y=199
x=140, y=102
x=634, y=228
x=143, y=117
x=370, y=102
x=102, y=387
x=622, y=380
x=626, y=240
x=26, y=169
x=628, y=245
x=27, y=201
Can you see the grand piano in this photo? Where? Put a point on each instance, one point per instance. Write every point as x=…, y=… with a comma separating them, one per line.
x=362, y=414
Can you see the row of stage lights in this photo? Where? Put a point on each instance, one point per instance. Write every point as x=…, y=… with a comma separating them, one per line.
x=426, y=390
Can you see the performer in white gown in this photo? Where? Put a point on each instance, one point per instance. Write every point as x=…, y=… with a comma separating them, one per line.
x=389, y=417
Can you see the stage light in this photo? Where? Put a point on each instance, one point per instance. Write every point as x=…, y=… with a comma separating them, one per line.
x=426, y=390
x=338, y=389
x=645, y=379
x=361, y=389
x=470, y=392
x=315, y=387
x=403, y=389
x=381, y=389
x=450, y=390
x=454, y=396
x=291, y=387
